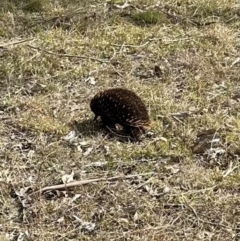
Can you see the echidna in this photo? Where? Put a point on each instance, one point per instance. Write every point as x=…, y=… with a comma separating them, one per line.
x=121, y=106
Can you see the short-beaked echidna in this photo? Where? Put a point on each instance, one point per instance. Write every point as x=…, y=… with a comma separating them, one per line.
x=124, y=107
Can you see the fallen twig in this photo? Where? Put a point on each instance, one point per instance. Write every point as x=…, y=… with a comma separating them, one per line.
x=230, y=169
x=83, y=182
x=16, y=42
x=68, y=55
x=131, y=45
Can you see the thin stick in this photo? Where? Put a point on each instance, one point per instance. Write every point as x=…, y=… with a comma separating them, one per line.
x=130, y=45
x=68, y=55
x=177, y=119
x=83, y=182
x=16, y=42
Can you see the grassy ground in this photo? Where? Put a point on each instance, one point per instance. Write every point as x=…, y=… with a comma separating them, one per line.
x=182, y=58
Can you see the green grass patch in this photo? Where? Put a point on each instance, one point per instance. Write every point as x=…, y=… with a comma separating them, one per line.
x=149, y=17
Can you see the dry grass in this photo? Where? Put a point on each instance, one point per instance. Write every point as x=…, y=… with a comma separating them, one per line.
x=182, y=58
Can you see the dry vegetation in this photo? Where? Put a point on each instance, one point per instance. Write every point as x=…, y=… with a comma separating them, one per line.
x=182, y=58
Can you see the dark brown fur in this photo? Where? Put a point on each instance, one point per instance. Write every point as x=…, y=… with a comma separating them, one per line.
x=121, y=106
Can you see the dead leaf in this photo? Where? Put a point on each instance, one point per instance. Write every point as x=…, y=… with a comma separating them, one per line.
x=90, y=80
x=125, y=5
x=88, y=151
x=68, y=178
x=205, y=140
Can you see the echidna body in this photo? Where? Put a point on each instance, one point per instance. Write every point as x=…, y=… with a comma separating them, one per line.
x=121, y=106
